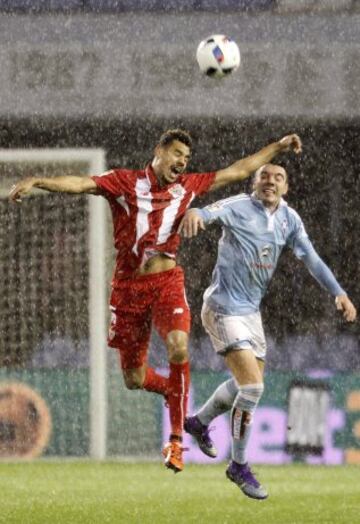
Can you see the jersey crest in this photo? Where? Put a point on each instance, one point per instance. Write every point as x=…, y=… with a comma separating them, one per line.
x=177, y=191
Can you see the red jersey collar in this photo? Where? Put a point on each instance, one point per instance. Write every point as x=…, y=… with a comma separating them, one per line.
x=149, y=172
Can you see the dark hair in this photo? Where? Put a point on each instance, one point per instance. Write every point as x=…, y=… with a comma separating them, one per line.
x=175, y=134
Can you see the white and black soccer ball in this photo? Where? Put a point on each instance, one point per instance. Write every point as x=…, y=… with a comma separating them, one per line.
x=218, y=56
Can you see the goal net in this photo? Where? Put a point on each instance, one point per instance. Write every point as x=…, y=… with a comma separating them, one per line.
x=53, y=308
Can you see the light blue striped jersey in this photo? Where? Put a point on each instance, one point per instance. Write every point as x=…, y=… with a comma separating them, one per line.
x=249, y=250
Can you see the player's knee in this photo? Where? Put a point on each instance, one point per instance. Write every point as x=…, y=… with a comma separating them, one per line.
x=133, y=382
x=178, y=353
x=250, y=392
x=177, y=347
x=179, y=356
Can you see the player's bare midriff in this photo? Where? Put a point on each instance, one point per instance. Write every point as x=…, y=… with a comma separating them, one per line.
x=157, y=264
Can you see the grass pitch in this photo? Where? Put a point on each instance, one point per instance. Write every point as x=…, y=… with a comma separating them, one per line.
x=114, y=492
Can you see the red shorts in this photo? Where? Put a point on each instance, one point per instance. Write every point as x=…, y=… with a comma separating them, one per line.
x=137, y=303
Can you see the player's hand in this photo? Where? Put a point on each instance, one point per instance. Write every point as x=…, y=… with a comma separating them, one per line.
x=191, y=224
x=21, y=189
x=344, y=304
x=291, y=143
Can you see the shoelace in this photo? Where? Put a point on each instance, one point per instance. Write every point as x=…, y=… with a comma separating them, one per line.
x=206, y=435
x=249, y=477
x=177, y=450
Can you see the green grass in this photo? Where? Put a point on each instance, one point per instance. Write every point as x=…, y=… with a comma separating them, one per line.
x=87, y=492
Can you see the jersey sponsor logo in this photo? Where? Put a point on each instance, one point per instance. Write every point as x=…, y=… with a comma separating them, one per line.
x=264, y=254
x=260, y=265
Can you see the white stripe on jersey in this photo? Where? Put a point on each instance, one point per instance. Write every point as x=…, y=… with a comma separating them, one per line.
x=143, y=200
x=169, y=217
x=222, y=203
x=270, y=221
x=121, y=200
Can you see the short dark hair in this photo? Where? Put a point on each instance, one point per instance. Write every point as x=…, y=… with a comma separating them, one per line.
x=175, y=134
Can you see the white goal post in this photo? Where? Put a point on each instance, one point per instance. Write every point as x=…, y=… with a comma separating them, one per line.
x=94, y=161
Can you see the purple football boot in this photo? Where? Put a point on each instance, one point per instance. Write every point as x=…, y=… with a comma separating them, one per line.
x=196, y=429
x=243, y=477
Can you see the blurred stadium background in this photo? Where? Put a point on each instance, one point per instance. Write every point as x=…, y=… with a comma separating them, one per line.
x=105, y=78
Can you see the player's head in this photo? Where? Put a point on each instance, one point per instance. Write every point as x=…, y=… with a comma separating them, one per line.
x=172, y=155
x=270, y=184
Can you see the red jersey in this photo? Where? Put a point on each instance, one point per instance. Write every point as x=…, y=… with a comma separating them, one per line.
x=146, y=216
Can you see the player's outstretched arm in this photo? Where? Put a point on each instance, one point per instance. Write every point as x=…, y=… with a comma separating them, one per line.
x=59, y=184
x=344, y=304
x=325, y=277
x=246, y=166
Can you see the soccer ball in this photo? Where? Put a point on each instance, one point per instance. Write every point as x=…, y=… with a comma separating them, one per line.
x=218, y=56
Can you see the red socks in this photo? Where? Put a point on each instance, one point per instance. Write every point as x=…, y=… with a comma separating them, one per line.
x=155, y=382
x=179, y=380
x=176, y=391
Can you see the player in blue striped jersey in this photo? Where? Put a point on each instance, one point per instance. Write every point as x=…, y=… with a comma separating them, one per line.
x=256, y=228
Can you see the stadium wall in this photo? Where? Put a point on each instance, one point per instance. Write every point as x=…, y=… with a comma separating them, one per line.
x=130, y=410
x=118, y=65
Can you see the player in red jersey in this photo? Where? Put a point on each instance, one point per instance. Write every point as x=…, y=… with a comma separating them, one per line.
x=148, y=286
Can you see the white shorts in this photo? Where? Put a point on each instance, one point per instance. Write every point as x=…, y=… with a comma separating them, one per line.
x=229, y=332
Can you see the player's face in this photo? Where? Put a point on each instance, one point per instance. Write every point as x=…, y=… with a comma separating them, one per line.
x=270, y=185
x=171, y=161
